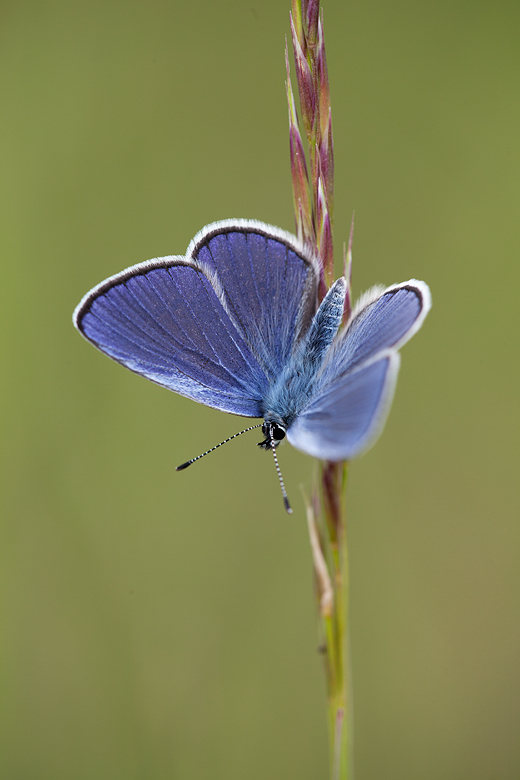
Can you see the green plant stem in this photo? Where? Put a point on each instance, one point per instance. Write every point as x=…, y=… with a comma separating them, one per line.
x=313, y=206
x=332, y=523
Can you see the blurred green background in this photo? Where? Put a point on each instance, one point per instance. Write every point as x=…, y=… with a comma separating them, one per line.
x=159, y=625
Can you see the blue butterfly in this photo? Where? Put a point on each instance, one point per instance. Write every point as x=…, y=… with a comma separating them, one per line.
x=235, y=325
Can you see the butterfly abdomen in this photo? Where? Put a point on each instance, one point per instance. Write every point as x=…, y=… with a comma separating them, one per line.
x=293, y=388
x=324, y=326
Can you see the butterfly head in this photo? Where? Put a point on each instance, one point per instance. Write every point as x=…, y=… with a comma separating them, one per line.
x=274, y=432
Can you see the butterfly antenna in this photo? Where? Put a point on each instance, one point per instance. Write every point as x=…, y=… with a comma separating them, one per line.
x=189, y=462
x=280, y=478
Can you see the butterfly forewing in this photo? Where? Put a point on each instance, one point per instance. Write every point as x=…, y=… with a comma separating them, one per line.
x=214, y=326
x=385, y=323
x=352, y=395
x=267, y=286
x=228, y=326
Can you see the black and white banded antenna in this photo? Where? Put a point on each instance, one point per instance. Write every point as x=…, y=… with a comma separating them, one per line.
x=278, y=471
x=273, y=448
x=189, y=462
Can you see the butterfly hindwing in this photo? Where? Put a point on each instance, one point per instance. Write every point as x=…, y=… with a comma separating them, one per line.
x=229, y=326
x=346, y=416
x=192, y=324
x=353, y=393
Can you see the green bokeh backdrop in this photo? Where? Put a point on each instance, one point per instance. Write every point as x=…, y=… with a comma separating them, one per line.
x=159, y=625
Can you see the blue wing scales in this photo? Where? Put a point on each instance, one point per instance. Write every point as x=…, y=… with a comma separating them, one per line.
x=353, y=392
x=199, y=325
x=385, y=322
x=347, y=415
x=267, y=288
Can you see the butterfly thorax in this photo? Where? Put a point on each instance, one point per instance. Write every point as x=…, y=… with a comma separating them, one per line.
x=290, y=392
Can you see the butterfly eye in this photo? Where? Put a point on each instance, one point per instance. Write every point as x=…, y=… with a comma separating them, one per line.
x=170, y=320
x=271, y=430
x=278, y=432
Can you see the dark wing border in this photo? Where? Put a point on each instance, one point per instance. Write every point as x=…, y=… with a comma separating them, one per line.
x=308, y=304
